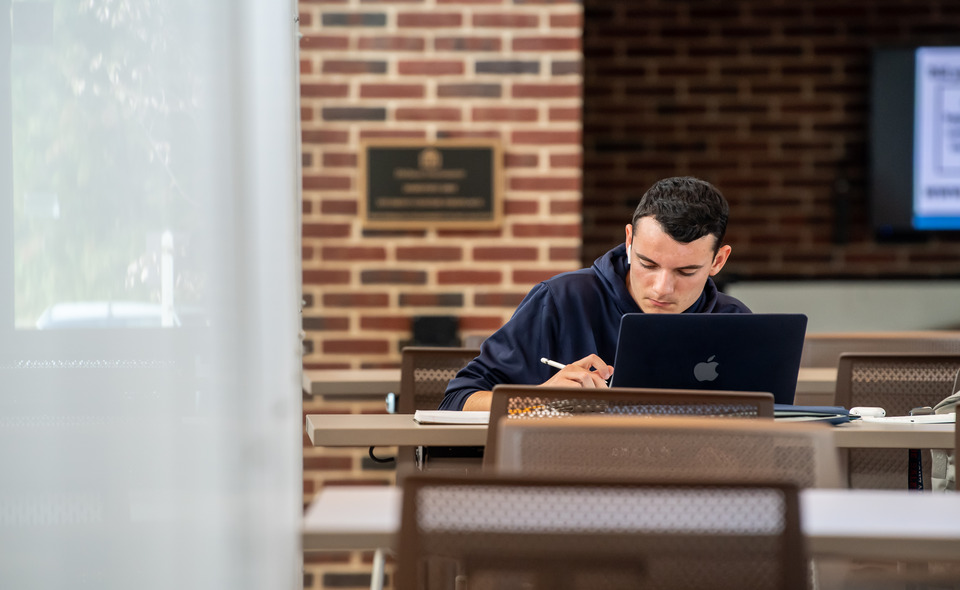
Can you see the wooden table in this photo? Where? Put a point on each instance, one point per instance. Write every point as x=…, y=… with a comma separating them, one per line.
x=815, y=386
x=873, y=524
x=379, y=430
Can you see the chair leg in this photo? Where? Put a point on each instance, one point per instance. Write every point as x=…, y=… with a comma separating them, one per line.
x=376, y=576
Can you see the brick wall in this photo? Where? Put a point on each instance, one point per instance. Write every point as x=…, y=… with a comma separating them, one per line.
x=428, y=69
x=434, y=70
x=769, y=100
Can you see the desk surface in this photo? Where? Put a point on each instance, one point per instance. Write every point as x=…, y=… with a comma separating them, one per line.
x=333, y=382
x=380, y=430
x=876, y=524
x=814, y=385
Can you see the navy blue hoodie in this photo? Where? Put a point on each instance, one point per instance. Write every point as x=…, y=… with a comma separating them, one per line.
x=564, y=318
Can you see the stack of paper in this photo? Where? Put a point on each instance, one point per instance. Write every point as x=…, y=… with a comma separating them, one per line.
x=450, y=417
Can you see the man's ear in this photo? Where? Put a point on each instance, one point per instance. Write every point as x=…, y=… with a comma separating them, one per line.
x=629, y=240
x=723, y=253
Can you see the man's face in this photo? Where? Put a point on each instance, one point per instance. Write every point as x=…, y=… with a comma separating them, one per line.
x=667, y=276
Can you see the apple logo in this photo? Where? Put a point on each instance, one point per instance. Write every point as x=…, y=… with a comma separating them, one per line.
x=706, y=371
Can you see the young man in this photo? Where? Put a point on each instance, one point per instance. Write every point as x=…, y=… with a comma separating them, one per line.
x=673, y=246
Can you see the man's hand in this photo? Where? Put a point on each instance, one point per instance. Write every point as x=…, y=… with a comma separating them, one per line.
x=589, y=372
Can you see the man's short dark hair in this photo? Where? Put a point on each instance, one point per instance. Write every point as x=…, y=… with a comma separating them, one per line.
x=687, y=209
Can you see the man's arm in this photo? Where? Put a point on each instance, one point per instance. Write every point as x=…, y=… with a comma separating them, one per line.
x=590, y=372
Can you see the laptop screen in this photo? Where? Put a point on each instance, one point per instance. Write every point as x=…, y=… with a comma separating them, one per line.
x=726, y=351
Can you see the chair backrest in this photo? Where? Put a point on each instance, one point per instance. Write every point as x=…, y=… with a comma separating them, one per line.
x=425, y=372
x=896, y=382
x=671, y=447
x=496, y=531
x=520, y=402
x=824, y=349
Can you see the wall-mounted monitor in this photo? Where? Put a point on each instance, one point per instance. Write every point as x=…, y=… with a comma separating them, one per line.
x=915, y=141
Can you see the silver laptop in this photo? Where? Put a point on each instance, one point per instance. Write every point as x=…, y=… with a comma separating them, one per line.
x=726, y=351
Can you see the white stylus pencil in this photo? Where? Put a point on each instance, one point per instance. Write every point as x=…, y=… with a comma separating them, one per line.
x=553, y=364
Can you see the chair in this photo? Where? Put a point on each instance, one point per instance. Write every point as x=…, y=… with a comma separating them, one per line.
x=425, y=372
x=671, y=447
x=898, y=383
x=520, y=402
x=512, y=532
x=824, y=349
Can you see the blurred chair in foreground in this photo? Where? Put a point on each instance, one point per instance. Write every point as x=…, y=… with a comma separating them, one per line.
x=509, y=532
x=523, y=402
x=703, y=449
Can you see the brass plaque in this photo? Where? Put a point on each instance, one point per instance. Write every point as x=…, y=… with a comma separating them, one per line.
x=443, y=183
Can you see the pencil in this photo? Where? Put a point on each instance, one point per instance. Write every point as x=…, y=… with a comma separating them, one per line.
x=553, y=364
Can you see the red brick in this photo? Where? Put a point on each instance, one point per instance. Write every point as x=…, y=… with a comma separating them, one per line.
x=470, y=44
x=392, y=91
x=430, y=68
x=306, y=67
x=324, y=90
x=505, y=114
x=563, y=21
x=306, y=114
x=353, y=66
x=325, y=136
x=508, y=300
x=546, y=91
x=356, y=347
x=326, y=230
x=386, y=323
x=325, y=324
x=545, y=184
x=427, y=114
x=468, y=277
x=521, y=160
x=506, y=21
x=469, y=2
x=564, y=253
x=546, y=44
x=429, y=253
x=429, y=19
x=559, y=230
x=496, y=253
x=393, y=277
x=338, y=207
x=391, y=43
x=306, y=253
x=460, y=134
x=356, y=299
x=326, y=277
x=431, y=300
x=566, y=160
x=565, y=207
x=565, y=113
x=353, y=253
x=325, y=42
x=336, y=160
x=387, y=133
x=546, y=137
x=327, y=183
x=520, y=207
